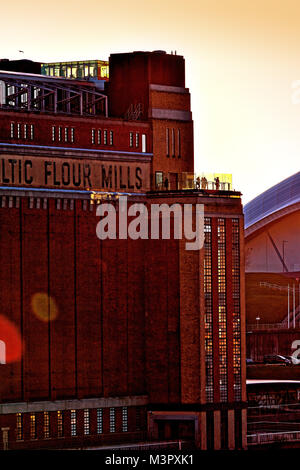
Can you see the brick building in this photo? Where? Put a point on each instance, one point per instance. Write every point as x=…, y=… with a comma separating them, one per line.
x=116, y=340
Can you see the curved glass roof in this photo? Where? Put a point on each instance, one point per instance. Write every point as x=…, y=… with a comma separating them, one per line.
x=282, y=195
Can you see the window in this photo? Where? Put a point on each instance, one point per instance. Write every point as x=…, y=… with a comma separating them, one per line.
x=66, y=134
x=32, y=426
x=124, y=419
x=73, y=423
x=138, y=419
x=25, y=131
x=60, y=134
x=130, y=139
x=86, y=421
x=46, y=425
x=179, y=143
x=144, y=143
x=167, y=143
x=236, y=308
x=111, y=138
x=31, y=131
x=60, y=425
x=173, y=142
x=19, y=426
x=19, y=130
x=53, y=133
x=12, y=130
x=72, y=134
x=208, y=320
x=222, y=308
x=99, y=136
x=93, y=136
x=112, y=420
x=99, y=421
x=158, y=179
x=137, y=139
x=105, y=137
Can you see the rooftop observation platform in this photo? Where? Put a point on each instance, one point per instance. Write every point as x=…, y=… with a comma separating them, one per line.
x=180, y=184
x=206, y=184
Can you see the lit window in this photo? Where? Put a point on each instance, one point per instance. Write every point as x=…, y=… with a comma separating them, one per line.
x=19, y=418
x=111, y=137
x=124, y=419
x=93, y=136
x=99, y=136
x=46, y=425
x=86, y=421
x=53, y=133
x=60, y=428
x=72, y=134
x=12, y=130
x=25, y=131
x=130, y=139
x=32, y=426
x=144, y=143
x=66, y=134
x=19, y=130
x=31, y=131
x=99, y=421
x=137, y=139
x=112, y=420
x=158, y=179
x=105, y=137
x=73, y=423
x=60, y=134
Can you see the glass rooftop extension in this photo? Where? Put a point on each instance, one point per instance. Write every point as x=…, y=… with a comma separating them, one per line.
x=80, y=70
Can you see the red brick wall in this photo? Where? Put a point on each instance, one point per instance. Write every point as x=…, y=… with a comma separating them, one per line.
x=83, y=131
x=172, y=163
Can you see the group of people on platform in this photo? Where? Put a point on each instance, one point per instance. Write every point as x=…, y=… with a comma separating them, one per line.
x=203, y=183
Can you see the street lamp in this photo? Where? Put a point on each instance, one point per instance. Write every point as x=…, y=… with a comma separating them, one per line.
x=257, y=320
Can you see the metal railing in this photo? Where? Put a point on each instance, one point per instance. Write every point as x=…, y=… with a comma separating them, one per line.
x=268, y=437
x=165, y=181
x=267, y=326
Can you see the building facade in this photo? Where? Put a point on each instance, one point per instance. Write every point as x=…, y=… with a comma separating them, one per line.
x=115, y=340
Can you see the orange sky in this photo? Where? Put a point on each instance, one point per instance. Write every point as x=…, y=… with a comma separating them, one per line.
x=241, y=56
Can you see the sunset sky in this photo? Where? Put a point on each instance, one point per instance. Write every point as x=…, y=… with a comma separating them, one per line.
x=242, y=58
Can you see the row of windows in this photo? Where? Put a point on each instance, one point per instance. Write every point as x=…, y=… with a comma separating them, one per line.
x=236, y=309
x=73, y=423
x=173, y=143
x=21, y=131
x=102, y=137
x=134, y=141
x=60, y=134
x=208, y=309
x=222, y=309
x=67, y=134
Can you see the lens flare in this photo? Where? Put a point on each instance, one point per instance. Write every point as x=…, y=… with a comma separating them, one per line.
x=44, y=307
x=10, y=341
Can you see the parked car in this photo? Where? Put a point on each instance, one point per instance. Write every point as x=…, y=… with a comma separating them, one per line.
x=277, y=359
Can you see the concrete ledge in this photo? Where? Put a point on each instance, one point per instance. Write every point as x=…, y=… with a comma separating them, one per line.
x=60, y=405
